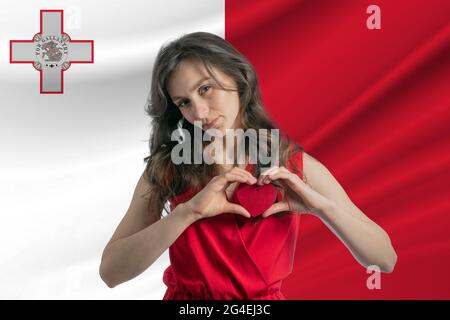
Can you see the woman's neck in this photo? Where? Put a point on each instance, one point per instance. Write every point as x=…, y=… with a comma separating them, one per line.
x=227, y=156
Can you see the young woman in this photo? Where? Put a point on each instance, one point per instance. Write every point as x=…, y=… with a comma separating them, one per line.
x=217, y=250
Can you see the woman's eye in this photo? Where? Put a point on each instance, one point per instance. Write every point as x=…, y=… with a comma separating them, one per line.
x=181, y=104
x=205, y=88
x=202, y=91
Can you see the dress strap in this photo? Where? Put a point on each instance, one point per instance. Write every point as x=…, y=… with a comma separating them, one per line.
x=295, y=163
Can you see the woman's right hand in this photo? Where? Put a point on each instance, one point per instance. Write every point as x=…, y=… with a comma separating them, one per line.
x=212, y=199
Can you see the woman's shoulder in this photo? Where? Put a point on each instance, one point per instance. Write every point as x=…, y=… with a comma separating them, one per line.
x=314, y=172
x=295, y=159
x=183, y=196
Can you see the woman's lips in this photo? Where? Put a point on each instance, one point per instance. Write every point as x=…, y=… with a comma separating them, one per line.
x=212, y=124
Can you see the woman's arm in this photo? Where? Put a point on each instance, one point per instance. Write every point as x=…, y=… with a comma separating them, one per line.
x=366, y=240
x=325, y=198
x=135, y=244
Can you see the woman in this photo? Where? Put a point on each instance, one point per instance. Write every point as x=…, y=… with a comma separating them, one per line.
x=217, y=249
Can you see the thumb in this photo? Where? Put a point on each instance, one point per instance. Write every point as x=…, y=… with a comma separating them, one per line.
x=275, y=208
x=235, y=208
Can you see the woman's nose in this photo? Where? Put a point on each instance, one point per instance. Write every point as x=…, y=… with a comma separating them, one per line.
x=199, y=110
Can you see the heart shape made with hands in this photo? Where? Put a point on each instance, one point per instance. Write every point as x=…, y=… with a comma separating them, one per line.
x=255, y=198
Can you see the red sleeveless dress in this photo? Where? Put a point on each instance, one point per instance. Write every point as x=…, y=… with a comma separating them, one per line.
x=230, y=257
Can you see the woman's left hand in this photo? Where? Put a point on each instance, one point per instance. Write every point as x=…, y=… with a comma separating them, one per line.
x=297, y=195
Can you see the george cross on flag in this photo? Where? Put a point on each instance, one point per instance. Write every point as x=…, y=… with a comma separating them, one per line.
x=51, y=51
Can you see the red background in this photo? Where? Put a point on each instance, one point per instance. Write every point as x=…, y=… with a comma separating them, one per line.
x=374, y=107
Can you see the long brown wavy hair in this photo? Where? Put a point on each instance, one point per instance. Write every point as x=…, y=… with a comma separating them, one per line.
x=165, y=178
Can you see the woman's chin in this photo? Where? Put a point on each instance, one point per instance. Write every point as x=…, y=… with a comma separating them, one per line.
x=215, y=131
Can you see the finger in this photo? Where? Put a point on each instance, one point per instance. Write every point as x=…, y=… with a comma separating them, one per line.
x=241, y=177
x=239, y=171
x=231, y=178
x=270, y=170
x=249, y=176
x=223, y=181
x=275, y=208
x=237, y=209
x=242, y=171
x=294, y=176
x=227, y=179
x=264, y=179
x=291, y=179
x=266, y=172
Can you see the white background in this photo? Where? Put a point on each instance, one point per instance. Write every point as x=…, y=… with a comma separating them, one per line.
x=69, y=162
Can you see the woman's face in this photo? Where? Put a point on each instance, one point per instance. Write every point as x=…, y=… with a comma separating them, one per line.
x=199, y=97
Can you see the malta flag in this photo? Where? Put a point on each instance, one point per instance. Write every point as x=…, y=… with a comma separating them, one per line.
x=363, y=86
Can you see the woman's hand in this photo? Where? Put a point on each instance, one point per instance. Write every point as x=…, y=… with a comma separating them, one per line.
x=297, y=195
x=212, y=199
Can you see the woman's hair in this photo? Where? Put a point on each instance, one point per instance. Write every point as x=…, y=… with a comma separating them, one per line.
x=166, y=178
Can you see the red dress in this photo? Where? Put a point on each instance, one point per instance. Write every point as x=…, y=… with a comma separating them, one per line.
x=230, y=257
